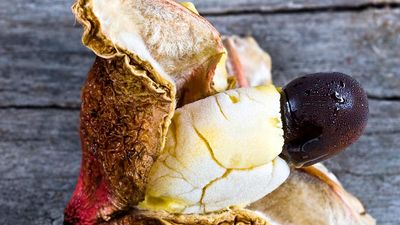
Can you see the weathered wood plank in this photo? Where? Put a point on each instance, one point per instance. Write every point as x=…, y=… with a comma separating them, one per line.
x=34, y=201
x=221, y=6
x=39, y=143
x=43, y=7
x=40, y=159
x=44, y=64
x=364, y=45
x=40, y=156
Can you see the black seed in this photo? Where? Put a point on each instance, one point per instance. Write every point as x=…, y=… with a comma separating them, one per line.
x=323, y=123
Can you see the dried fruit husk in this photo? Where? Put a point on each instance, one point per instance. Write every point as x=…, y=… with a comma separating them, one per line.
x=115, y=152
x=128, y=101
x=231, y=217
x=127, y=104
x=312, y=196
x=182, y=44
x=248, y=62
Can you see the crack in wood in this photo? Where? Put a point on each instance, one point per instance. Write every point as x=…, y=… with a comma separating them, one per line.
x=340, y=172
x=378, y=133
x=72, y=178
x=302, y=10
x=384, y=98
x=77, y=108
x=41, y=107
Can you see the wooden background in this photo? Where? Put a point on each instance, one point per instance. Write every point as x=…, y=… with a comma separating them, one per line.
x=43, y=66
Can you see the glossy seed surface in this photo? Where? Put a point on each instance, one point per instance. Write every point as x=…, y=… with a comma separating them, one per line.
x=323, y=113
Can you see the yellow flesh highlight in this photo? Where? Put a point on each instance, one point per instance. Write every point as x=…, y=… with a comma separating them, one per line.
x=220, y=151
x=220, y=79
x=190, y=6
x=212, y=145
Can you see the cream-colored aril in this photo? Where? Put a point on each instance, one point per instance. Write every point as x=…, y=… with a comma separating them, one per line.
x=220, y=79
x=221, y=151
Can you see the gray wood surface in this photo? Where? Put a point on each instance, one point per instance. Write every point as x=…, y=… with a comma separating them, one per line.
x=278, y=6
x=43, y=66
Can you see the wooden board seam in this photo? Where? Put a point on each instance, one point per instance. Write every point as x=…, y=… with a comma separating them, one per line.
x=299, y=10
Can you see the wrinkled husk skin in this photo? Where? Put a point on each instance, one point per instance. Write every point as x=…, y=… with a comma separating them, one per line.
x=232, y=217
x=310, y=196
x=120, y=111
x=125, y=113
x=122, y=123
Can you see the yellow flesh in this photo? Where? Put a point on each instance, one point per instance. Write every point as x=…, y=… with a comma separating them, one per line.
x=190, y=6
x=220, y=151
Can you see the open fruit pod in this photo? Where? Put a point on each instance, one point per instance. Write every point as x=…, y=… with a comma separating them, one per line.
x=160, y=112
x=312, y=195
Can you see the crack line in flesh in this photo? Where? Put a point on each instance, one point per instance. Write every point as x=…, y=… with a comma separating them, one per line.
x=202, y=204
x=205, y=141
x=178, y=172
x=227, y=170
x=164, y=176
x=178, y=161
x=230, y=96
x=211, y=151
x=254, y=100
x=220, y=108
x=173, y=153
x=272, y=176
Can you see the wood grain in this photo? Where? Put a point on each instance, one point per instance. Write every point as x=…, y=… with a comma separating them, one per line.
x=41, y=154
x=43, y=66
x=235, y=6
x=364, y=45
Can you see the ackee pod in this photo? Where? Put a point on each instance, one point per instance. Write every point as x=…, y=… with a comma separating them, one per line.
x=323, y=113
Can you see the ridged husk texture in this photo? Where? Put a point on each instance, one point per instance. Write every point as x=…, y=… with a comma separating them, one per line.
x=231, y=217
x=127, y=105
x=312, y=195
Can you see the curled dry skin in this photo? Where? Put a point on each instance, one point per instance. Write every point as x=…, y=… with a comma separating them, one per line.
x=247, y=61
x=128, y=100
x=312, y=195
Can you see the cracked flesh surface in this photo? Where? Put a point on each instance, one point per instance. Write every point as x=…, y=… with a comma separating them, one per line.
x=221, y=151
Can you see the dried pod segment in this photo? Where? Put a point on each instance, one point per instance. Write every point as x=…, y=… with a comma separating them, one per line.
x=247, y=61
x=115, y=127
x=149, y=55
x=312, y=196
x=163, y=35
x=232, y=217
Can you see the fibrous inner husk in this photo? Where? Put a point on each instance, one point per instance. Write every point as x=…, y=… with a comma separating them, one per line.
x=151, y=55
x=177, y=44
x=312, y=195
